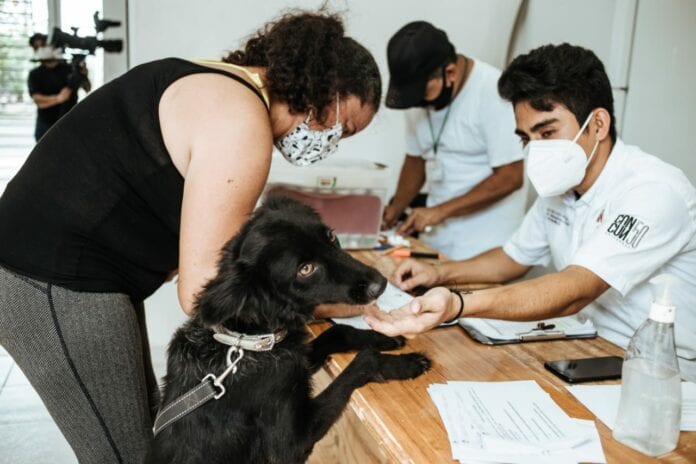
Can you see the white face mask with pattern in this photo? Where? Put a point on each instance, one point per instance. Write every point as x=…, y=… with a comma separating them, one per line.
x=304, y=146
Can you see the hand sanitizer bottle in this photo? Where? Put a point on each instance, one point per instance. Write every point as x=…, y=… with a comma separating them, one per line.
x=650, y=409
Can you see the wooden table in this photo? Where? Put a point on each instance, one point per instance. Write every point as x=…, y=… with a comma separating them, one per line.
x=396, y=422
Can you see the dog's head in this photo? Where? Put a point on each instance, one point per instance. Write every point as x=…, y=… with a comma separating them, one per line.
x=281, y=264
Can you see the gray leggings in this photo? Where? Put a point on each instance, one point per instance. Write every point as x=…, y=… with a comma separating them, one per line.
x=87, y=356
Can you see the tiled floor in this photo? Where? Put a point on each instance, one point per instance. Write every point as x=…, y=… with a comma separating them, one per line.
x=27, y=432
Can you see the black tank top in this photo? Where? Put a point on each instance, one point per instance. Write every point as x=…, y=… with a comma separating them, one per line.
x=97, y=205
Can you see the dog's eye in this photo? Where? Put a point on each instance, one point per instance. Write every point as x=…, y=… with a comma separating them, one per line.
x=305, y=270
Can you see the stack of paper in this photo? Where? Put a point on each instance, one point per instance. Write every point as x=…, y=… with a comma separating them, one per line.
x=603, y=401
x=512, y=422
x=392, y=298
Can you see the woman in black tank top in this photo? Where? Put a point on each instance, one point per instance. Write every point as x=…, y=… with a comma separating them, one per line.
x=150, y=174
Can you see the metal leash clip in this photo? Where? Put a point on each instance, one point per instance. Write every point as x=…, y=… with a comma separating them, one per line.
x=231, y=369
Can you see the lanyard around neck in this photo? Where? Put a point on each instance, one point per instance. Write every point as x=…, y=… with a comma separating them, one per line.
x=436, y=140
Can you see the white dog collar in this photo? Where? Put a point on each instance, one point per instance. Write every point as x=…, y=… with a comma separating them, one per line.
x=262, y=342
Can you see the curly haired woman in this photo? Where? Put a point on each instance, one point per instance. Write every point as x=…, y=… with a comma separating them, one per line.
x=154, y=172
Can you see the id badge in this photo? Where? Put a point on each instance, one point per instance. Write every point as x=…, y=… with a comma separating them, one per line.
x=433, y=170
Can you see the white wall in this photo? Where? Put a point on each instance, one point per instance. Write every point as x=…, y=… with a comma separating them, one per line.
x=116, y=64
x=660, y=110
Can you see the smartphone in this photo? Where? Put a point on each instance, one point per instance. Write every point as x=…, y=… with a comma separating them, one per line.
x=586, y=369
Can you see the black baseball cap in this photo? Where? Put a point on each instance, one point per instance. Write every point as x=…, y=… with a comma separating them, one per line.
x=413, y=53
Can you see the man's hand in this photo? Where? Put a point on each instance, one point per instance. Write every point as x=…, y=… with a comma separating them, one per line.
x=420, y=218
x=423, y=313
x=389, y=217
x=411, y=274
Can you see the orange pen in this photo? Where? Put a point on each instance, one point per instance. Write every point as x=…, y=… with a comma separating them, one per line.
x=404, y=253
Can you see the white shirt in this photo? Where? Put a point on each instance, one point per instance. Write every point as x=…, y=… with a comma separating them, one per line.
x=477, y=137
x=638, y=220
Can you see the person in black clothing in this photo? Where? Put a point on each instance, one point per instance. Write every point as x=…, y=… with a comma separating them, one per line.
x=152, y=174
x=51, y=88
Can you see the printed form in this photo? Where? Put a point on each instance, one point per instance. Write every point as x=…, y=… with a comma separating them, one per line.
x=512, y=422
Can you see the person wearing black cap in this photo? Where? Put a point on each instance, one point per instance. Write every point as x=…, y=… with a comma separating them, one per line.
x=460, y=138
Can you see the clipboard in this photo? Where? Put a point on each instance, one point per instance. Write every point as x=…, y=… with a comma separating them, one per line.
x=492, y=332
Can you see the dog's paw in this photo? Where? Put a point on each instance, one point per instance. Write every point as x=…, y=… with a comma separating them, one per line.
x=401, y=366
x=360, y=339
x=383, y=343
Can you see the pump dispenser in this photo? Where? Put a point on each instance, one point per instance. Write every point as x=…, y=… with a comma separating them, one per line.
x=650, y=409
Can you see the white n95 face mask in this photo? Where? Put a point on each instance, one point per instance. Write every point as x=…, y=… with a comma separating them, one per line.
x=304, y=146
x=556, y=166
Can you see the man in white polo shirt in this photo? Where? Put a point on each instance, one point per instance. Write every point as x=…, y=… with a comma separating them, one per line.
x=460, y=139
x=609, y=216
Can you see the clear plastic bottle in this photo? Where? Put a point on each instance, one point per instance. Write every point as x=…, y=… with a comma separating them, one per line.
x=649, y=413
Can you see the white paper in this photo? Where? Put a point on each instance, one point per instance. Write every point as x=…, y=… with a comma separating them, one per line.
x=603, y=401
x=392, y=298
x=509, y=330
x=512, y=422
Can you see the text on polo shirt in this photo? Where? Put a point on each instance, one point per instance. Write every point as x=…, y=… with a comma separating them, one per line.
x=628, y=230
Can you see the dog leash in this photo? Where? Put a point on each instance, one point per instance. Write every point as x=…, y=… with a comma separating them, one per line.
x=211, y=387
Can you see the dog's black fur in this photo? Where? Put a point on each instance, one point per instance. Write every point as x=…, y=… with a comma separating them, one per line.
x=268, y=414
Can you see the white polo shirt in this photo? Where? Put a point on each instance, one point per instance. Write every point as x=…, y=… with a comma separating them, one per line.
x=637, y=220
x=479, y=135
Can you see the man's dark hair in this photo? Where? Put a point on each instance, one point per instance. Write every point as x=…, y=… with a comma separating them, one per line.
x=309, y=59
x=559, y=74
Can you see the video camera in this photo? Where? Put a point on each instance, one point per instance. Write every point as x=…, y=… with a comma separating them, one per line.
x=60, y=39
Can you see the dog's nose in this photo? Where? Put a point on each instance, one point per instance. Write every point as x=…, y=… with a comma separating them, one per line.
x=375, y=289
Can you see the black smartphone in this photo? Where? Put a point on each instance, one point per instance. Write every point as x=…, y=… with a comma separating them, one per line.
x=586, y=369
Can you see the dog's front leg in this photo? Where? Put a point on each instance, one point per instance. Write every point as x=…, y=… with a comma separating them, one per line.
x=368, y=366
x=342, y=338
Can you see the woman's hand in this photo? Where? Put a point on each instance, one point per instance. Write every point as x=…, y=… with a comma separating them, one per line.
x=412, y=273
x=436, y=306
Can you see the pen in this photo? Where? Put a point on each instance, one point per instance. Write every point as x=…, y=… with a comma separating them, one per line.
x=403, y=253
x=544, y=326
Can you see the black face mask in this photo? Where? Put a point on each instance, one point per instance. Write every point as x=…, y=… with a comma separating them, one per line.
x=443, y=99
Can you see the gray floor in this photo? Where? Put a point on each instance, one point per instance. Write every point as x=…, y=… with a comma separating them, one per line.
x=28, y=434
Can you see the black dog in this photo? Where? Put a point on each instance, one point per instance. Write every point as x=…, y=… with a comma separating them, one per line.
x=282, y=264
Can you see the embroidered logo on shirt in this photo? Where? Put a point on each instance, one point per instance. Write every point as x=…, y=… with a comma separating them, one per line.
x=557, y=217
x=628, y=230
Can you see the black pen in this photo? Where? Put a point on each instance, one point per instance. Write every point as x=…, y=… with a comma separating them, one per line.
x=544, y=326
